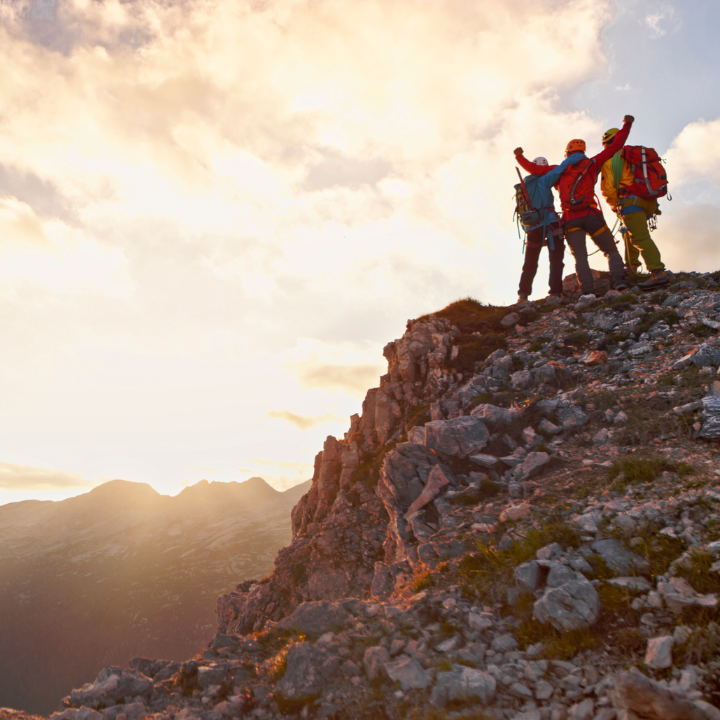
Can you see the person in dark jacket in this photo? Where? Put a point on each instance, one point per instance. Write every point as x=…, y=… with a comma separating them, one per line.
x=581, y=213
x=547, y=233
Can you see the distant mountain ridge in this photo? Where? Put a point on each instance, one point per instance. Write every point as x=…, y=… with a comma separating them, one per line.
x=121, y=571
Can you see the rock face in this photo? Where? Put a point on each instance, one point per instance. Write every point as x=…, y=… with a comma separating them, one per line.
x=496, y=533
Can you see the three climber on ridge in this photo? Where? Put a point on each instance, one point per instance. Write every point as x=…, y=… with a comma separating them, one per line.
x=633, y=198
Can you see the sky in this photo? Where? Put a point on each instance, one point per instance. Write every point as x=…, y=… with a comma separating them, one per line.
x=215, y=213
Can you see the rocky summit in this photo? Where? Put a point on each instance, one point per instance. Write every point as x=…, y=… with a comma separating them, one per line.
x=523, y=524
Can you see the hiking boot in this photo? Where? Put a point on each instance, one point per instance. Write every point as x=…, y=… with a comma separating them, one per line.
x=622, y=285
x=658, y=278
x=523, y=297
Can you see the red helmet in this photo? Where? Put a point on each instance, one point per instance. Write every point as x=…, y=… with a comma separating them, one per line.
x=575, y=146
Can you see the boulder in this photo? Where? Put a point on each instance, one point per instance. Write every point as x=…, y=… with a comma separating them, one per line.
x=636, y=693
x=463, y=684
x=314, y=619
x=460, y=437
x=83, y=713
x=112, y=683
x=308, y=672
x=659, y=652
x=409, y=673
x=435, y=483
x=495, y=417
x=374, y=661
x=529, y=576
x=618, y=557
x=572, y=606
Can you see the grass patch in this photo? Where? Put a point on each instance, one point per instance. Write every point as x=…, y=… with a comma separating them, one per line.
x=658, y=550
x=696, y=570
x=423, y=581
x=537, y=345
x=631, y=470
x=702, y=645
x=659, y=297
x=489, y=572
x=630, y=639
x=576, y=339
x=476, y=348
x=667, y=315
x=620, y=303
x=701, y=330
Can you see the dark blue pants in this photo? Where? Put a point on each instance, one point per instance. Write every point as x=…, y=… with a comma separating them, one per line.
x=533, y=246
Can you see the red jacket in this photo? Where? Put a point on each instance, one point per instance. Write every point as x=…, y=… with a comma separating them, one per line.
x=593, y=172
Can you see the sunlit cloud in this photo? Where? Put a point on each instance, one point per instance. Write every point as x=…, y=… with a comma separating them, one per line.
x=334, y=368
x=303, y=422
x=14, y=476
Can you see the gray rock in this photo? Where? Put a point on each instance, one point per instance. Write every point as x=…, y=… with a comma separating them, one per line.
x=314, y=619
x=409, y=673
x=571, y=417
x=706, y=356
x=374, y=661
x=417, y=435
x=529, y=576
x=435, y=483
x=132, y=711
x=583, y=710
x=560, y=574
x=495, y=417
x=548, y=428
x=521, y=380
x=486, y=461
x=639, y=694
x=211, y=675
x=710, y=429
x=632, y=583
x=463, y=684
x=505, y=643
x=113, y=684
x=659, y=652
x=618, y=557
x=83, y=713
x=510, y=320
x=306, y=676
x=460, y=437
x=571, y=606
x=531, y=465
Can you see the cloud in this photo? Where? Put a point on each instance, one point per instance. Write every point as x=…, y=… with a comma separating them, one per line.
x=26, y=478
x=695, y=153
x=331, y=367
x=303, y=422
x=661, y=21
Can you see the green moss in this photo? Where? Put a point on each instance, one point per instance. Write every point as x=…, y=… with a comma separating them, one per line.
x=667, y=315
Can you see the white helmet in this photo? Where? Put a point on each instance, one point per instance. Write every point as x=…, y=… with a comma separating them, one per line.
x=540, y=161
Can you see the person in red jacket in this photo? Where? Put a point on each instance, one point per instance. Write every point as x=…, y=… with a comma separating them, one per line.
x=581, y=213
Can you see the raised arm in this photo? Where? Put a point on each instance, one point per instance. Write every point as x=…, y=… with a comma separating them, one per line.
x=618, y=141
x=530, y=167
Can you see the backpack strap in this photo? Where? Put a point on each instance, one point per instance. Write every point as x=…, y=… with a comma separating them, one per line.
x=572, y=199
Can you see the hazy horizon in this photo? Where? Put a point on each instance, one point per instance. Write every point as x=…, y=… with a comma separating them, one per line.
x=215, y=215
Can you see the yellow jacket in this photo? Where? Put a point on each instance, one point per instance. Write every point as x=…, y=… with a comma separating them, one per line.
x=607, y=183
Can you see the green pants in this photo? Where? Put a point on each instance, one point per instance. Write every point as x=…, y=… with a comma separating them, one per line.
x=638, y=240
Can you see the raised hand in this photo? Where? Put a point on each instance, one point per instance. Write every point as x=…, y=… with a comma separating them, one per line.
x=628, y=119
x=518, y=151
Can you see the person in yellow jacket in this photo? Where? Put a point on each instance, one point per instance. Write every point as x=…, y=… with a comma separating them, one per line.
x=617, y=176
